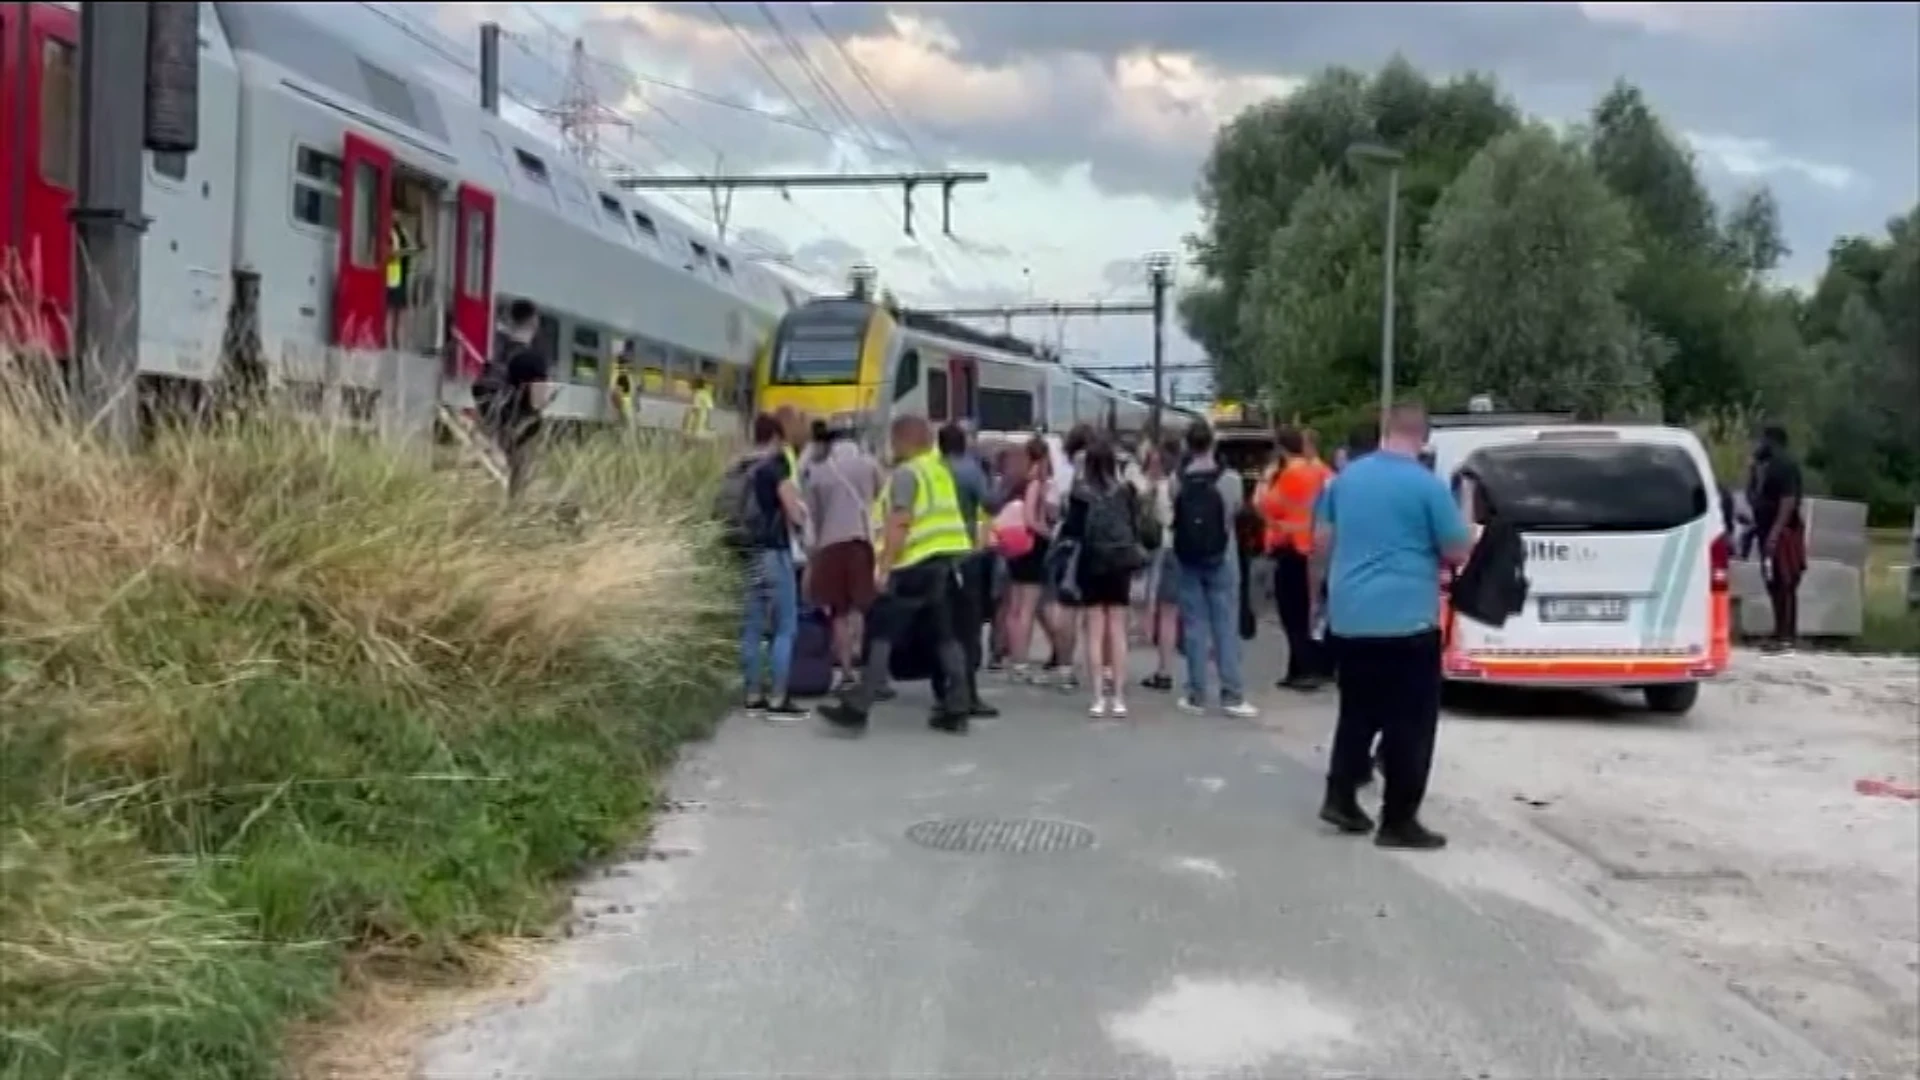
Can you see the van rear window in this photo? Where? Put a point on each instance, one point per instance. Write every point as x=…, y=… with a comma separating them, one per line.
x=1590, y=487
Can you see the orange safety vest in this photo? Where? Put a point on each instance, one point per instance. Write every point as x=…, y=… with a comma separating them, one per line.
x=1287, y=504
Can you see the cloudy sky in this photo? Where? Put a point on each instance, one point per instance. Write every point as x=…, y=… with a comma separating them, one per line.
x=1092, y=118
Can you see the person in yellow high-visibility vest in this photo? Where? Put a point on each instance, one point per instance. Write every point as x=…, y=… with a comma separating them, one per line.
x=696, y=419
x=400, y=251
x=922, y=543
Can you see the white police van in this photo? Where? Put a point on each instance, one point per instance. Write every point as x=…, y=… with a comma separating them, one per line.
x=1626, y=554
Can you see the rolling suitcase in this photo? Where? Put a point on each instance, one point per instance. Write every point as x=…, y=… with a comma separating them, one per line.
x=811, y=674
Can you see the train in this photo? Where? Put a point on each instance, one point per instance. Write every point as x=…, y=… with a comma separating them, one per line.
x=860, y=360
x=268, y=244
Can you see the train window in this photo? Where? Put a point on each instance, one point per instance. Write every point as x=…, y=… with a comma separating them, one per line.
x=1005, y=410
x=169, y=166
x=936, y=394
x=908, y=376
x=586, y=355
x=59, y=112
x=366, y=189
x=316, y=188
x=700, y=252
x=535, y=169
x=611, y=206
x=474, y=277
x=725, y=264
x=646, y=224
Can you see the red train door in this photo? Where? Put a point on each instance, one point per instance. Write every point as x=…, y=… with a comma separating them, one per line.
x=965, y=373
x=472, y=281
x=366, y=227
x=39, y=170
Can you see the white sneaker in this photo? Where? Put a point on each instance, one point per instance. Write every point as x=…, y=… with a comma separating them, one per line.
x=1240, y=710
x=1098, y=709
x=1116, y=707
x=1020, y=673
x=1188, y=705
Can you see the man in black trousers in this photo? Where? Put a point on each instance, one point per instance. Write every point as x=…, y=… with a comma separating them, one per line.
x=1390, y=524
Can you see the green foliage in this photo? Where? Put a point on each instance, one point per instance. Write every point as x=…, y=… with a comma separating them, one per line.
x=269, y=698
x=1539, y=289
x=1265, y=161
x=1519, y=283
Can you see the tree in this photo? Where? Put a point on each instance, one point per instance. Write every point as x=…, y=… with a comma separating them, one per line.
x=1863, y=322
x=1639, y=160
x=1751, y=238
x=1264, y=161
x=1520, y=280
x=1309, y=323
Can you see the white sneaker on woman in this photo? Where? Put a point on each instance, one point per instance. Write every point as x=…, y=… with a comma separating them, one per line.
x=1116, y=707
x=1098, y=709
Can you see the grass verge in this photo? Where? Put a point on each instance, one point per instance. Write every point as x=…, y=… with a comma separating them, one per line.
x=274, y=702
x=1888, y=624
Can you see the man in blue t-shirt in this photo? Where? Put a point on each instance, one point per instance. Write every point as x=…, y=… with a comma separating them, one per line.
x=1388, y=525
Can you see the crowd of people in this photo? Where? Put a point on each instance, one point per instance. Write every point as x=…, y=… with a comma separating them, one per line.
x=959, y=553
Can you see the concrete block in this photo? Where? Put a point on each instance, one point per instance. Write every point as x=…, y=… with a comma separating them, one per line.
x=1832, y=600
x=1837, y=530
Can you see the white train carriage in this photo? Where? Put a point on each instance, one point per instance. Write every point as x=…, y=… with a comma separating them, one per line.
x=338, y=140
x=309, y=146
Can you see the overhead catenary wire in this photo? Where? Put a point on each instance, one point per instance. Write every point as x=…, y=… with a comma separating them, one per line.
x=828, y=98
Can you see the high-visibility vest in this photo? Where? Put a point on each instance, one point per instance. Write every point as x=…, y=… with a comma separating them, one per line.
x=938, y=527
x=396, y=262
x=1287, y=504
x=622, y=386
x=695, y=422
x=877, y=517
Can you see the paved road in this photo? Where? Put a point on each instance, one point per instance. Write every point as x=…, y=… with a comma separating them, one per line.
x=1212, y=928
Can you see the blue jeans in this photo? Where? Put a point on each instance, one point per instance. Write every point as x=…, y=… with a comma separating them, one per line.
x=1209, y=614
x=773, y=604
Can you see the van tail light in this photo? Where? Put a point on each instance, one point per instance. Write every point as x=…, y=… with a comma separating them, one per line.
x=1718, y=560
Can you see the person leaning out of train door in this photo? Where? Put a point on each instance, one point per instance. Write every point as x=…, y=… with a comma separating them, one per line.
x=401, y=249
x=1287, y=504
x=921, y=549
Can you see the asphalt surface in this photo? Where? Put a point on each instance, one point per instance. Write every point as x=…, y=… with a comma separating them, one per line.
x=785, y=925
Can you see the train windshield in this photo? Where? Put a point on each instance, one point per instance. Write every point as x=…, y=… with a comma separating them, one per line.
x=819, y=345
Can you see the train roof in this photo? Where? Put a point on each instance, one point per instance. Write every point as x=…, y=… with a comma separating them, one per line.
x=929, y=323
x=442, y=127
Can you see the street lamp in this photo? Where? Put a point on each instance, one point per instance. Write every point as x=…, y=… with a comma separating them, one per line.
x=1374, y=154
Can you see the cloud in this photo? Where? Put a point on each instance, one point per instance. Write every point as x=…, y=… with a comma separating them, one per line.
x=1141, y=117
x=829, y=258
x=1756, y=159
x=1822, y=102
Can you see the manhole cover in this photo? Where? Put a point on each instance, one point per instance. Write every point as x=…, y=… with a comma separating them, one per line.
x=1019, y=836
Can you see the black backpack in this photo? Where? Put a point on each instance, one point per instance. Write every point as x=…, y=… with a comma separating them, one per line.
x=1113, y=530
x=734, y=507
x=1199, y=519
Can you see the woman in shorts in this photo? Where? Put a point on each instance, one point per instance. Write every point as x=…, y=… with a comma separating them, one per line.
x=1027, y=575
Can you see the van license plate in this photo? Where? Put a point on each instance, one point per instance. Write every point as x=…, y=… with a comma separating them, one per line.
x=1603, y=609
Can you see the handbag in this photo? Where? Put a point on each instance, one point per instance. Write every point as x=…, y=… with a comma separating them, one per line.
x=1012, y=535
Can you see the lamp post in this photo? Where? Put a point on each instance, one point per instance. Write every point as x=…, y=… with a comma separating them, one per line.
x=1375, y=154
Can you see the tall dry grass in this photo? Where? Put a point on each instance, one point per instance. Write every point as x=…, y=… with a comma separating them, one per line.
x=270, y=694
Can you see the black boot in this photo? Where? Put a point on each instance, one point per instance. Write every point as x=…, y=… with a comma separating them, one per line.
x=1342, y=811
x=950, y=722
x=1410, y=836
